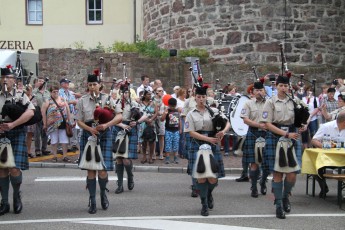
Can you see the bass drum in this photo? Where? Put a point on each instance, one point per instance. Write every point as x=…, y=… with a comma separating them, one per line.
x=234, y=111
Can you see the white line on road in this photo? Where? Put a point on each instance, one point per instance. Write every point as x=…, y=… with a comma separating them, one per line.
x=235, y=177
x=167, y=218
x=68, y=178
x=165, y=224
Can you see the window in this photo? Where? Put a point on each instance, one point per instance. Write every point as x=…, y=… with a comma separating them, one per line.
x=94, y=12
x=34, y=14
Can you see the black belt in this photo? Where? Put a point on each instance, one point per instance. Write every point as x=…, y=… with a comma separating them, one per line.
x=206, y=133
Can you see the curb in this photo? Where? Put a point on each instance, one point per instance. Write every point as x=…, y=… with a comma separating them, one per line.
x=159, y=169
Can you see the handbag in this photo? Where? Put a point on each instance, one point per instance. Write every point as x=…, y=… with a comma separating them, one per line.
x=69, y=131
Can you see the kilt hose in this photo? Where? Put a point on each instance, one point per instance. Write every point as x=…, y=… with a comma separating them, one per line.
x=106, y=147
x=17, y=136
x=270, y=150
x=193, y=150
x=132, y=141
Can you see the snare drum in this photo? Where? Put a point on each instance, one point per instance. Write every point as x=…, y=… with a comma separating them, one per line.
x=234, y=111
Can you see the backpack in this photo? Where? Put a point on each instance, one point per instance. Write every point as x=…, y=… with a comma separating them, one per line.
x=149, y=134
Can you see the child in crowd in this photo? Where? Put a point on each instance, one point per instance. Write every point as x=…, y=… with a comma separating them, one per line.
x=172, y=120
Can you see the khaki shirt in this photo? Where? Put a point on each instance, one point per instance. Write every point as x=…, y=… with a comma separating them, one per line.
x=86, y=106
x=16, y=98
x=278, y=111
x=252, y=109
x=189, y=105
x=41, y=97
x=200, y=121
x=126, y=114
x=335, y=113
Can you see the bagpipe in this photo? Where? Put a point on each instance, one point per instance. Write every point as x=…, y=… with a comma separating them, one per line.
x=14, y=107
x=218, y=121
x=300, y=110
x=125, y=85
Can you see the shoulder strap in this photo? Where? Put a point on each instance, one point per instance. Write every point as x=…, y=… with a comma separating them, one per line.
x=63, y=117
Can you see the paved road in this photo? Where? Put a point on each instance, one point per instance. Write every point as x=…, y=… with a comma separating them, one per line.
x=55, y=198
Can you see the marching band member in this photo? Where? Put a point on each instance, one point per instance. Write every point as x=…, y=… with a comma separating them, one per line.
x=15, y=132
x=278, y=115
x=200, y=127
x=251, y=114
x=86, y=106
x=130, y=125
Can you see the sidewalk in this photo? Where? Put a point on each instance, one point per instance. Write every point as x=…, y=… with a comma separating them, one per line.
x=232, y=164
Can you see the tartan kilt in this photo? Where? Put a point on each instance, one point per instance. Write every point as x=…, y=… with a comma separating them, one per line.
x=194, y=148
x=17, y=137
x=270, y=150
x=106, y=147
x=249, y=144
x=132, y=141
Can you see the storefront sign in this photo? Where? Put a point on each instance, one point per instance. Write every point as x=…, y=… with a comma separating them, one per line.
x=16, y=45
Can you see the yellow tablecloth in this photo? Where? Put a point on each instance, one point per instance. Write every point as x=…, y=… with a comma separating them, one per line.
x=314, y=159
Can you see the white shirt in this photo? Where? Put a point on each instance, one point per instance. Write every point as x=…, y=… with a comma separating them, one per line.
x=180, y=103
x=311, y=105
x=329, y=128
x=141, y=88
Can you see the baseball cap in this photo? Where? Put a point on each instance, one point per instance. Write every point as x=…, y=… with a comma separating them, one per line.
x=64, y=80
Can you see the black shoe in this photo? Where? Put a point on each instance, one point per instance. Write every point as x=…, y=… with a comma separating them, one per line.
x=243, y=178
x=204, y=210
x=280, y=214
x=119, y=189
x=104, y=202
x=59, y=151
x=74, y=149
x=4, y=208
x=286, y=205
x=254, y=193
x=45, y=153
x=323, y=193
x=194, y=192
x=92, y=209
x=38, y=154
x=263, y=188
x=210, y=201
x=17, y=204
x=130, y=183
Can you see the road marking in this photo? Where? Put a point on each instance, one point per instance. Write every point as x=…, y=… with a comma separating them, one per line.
x=165, y=224
x=235, y=177
x=167, y=218
x=69, y=178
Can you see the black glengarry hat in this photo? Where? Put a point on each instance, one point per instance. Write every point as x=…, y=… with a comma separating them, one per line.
x=258, y=85
x=7, y=70
x=283, y=80
x=94, y=77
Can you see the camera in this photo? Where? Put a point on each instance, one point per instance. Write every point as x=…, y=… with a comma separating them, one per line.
x=335, y=82
x=272, y=77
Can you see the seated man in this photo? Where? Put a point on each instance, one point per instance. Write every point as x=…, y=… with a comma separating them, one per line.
x=336, y=129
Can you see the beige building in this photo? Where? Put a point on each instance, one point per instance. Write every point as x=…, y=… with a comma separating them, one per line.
x=30, y=25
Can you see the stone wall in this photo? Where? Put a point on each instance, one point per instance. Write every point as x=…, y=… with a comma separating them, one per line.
x=77, y=64
x=250, y=31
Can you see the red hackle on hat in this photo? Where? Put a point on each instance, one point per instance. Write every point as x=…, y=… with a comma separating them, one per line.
x=9, y=66
x=288, y=74
x=96, y=72
x=262, y=80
